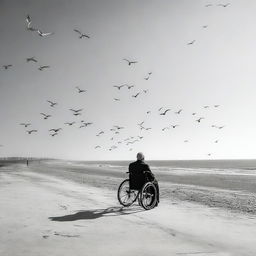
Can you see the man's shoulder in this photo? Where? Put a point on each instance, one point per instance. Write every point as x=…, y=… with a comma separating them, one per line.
x=133, y=163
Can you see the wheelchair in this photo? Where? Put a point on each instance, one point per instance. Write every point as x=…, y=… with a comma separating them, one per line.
x=145, y=192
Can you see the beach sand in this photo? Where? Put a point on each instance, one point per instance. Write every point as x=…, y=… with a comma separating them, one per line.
x=58, y=209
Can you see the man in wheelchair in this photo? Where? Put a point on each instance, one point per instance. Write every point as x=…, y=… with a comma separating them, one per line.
x=140, y=174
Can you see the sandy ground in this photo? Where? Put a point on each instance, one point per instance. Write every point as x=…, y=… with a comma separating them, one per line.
x=43, y=214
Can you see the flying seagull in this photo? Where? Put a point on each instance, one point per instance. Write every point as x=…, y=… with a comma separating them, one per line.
x=97, y=147
x=192, y=42
x=80, y=90
x=40, y=33
x=199, y=120
x=129, y=86
x=31, y=59
x=52, y=104
x=174, y=126
x=25, y=124
x=45, y=115
x=178, y=112
x=81, y=34
x=54, y=134
x=31, y=131
x=130, y=62
x=101, y=132
x=136, y=95
x=41, y=68
x=29, y=27
x=224, y=5
x=55, y=130
x=164, y=113
x=7, y=66
x=119, y=86
x=69, y=123
x=116, y=99
x=76, y=110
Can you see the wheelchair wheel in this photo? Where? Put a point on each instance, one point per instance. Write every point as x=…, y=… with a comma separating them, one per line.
x=125, y=195
x=148, y=196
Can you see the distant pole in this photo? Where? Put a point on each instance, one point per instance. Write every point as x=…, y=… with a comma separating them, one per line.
x=27, y=161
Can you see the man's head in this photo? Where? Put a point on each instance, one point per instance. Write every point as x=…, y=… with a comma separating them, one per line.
x=140, y=156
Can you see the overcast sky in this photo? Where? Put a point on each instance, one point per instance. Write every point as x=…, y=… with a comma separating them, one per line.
x=217, y=69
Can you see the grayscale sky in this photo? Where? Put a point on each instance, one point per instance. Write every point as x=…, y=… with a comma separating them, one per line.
x=217, y=69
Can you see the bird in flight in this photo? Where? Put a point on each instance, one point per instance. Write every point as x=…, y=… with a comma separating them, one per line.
x=87, y=124
x=148, y=112
x=216, y=141
x=160, y=109
x=146, y=78
x=145, y=91
x=164, y=113
x=41, y=68
x=165, y=128
x=178, y=112
x=130, y=62
x=45, y=115
x=81, y=34
x=118, y=127
x=129, y=86
x=194, y=113
x=206, y=106
x=116, y=99
x=31, y=131
x=29, y=27
x=174, y=126
x=208, y=5
x=216, y=106
x=101, y=132
x=140, y=124
x=80, y=90
x=119, y=86
x=7, y=66
x=199, y=120
x=40, y=33
x=76, y=110
x=97, y=147
x=69, y=123
x=25, y=124
x=31, y=59
x=54, y=134
x=52, y=104
x=55, y=130
x=185, y=141
x=224, y=5
x=192, y=42
x=221, y=127
x=205, y=26
x=136, y=95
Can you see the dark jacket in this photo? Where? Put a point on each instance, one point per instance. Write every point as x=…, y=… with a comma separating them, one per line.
x=137, y=174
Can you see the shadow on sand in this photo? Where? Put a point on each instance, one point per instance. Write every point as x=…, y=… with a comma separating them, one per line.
x=95, y=214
